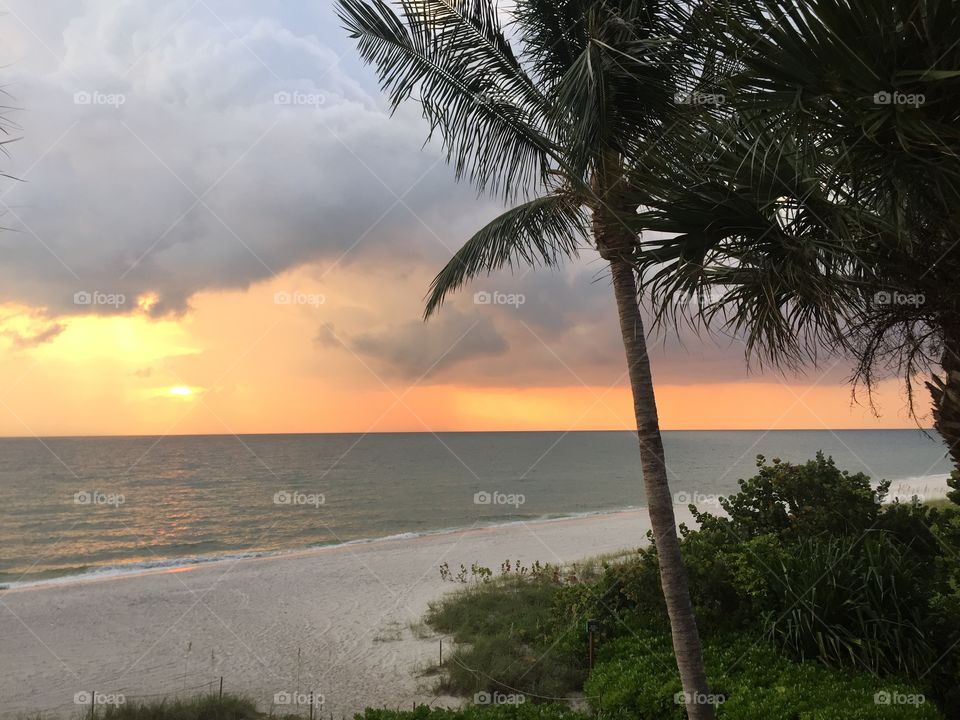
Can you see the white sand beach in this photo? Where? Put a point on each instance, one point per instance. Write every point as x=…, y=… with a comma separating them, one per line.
x=348, y=609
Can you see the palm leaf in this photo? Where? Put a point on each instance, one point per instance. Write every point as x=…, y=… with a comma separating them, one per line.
x=471, y=86
x=542, y=231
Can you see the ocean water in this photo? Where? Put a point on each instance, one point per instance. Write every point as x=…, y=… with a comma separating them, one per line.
x=70, y=506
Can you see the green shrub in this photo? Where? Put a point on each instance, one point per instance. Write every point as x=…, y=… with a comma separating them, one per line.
x=953, y=495
x=813, y=563
x=637, y=678
x=861, y=602
x=626, y=596
x=833, y=574
x=809, y=563
x=794, y=501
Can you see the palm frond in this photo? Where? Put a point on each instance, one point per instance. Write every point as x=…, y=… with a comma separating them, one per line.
x=554, y=33
x=751, y=243
x=791, y=204
x=542, y=231
x=618, y=85
x=472, y=88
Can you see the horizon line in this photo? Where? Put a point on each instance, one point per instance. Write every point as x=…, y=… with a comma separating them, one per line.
x=450, y=432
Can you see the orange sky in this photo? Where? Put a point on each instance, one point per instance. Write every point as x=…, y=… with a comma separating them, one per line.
x=238, y=362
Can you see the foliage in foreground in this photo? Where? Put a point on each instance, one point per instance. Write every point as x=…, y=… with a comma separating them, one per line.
x=836, y=588
x=809, y=560
x=750, y=681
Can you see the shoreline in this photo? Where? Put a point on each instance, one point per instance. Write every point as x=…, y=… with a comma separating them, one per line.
x=138, y=569
x=928, y=487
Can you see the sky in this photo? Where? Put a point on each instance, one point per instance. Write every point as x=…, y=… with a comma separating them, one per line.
x=217, y=227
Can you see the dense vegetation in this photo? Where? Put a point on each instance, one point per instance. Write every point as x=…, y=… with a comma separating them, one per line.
x=815, y=599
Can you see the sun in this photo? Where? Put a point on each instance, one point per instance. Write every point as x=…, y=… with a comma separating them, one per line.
x=180, y=391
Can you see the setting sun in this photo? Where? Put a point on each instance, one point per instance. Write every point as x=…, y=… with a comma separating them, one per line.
x=180, y=391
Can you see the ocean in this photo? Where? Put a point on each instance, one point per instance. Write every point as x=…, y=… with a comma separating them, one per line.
x=74, y=506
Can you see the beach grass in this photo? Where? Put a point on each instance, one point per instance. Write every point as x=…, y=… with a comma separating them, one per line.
x=237, y=707
x=503, y=634
x=200, y=707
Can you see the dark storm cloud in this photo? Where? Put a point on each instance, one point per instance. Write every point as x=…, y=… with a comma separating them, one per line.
x=165, y=152
x=413, y=350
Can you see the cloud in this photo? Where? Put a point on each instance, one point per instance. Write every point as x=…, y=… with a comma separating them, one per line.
x=171, y=149
x=174, y=148
x=567, y=332
x=413, y=350
x=32, y=340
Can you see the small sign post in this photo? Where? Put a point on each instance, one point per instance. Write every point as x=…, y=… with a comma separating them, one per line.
x=592, y=627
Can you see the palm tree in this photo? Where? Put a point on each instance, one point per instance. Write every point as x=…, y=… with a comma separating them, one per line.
x=821, y=202
x=553, y=129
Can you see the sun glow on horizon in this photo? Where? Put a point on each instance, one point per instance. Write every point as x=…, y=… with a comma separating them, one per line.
x=238, y=362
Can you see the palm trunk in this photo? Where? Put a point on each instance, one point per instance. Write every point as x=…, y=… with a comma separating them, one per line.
x=946, y=401
x=673, y=576
x=615, y=241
